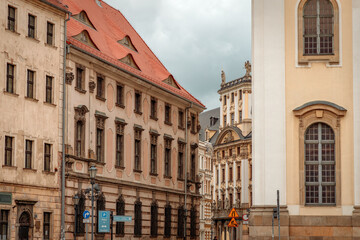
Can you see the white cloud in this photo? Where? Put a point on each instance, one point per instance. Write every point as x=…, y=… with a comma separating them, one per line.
x=195, y=39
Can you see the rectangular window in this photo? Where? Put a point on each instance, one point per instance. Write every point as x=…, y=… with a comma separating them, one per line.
x=79, y=138
x=167, y=160
x=230, y=152
x=120, y=95
x=99, y=145
x=119, y=150
x=11, y=18
x=232, y=97
x=31, y=26
x=193, y=122
x=240, y=117
x=193, y=165
x=47, y=157
x=10, y=86
x=137, y=150
x=154, y=220
x=47, y=225
x=181, y=165
x=181, y=119
x=225, y=100
x=137, y=102
x=232, y=118
x=153, y=158
x=238, y=151
x=137, y=219
x=4, y=224
x=240, y=95
x=100, y=87
x=153, y=110
x=49, y=89
x=167, y=227
x=8, y=150
x=223, y=175
x=28, y=153
x=230, y=174
x=238, y=173
x=79, y=78
x=180, y=222
x=167, y=114
x=50, y=34
x=30, y=84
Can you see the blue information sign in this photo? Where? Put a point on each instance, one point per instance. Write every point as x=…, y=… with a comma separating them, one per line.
x=86, y=214
x=120, y=218
x=104, y=221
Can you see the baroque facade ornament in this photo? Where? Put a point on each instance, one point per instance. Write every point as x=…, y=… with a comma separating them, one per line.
x=92, y=86
x=69, y=78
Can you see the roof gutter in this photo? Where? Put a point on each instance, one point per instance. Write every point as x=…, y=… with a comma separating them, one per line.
x=134, y=75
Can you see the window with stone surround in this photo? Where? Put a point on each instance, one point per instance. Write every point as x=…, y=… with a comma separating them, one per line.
x=318, y=30
x=225, y=122
x=240, y=94
x=28, y=154
x=181, y=149
x=137, y=218
x=230, y=174
x=153, y=152
x=167, y=227
x=320, y=176
x=223, y=175
x=193, y=224
x=100, y=137
x=10, y=78
x=120, y=95
x=167, y=156
x=50, y=33
x=46, y=225
x=49, y=89
x=240, y=117
x=167, y=114
x=31, y=26
x=238, y=173
x=120, y=210
x=193, y=164
x=80, y=225
x=224, y=100
x=79, y=136
x=80, y=78
x=47, y=157
x=154, y=219
x=232, y=97
x=138, y=108
x=4, y=224
x=8, y=151
x=137, y=148
x=153, y=108
x=11, y=19
x=180, y=222
x=100, y=206
x=100, y=85
x=120, y=129
x=181, y=121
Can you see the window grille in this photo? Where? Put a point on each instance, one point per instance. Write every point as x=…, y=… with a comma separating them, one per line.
x=154, y=220
x=180, y=226
x=167, y=230
x=318, y=16
x=80, y=226
x=320, y=165
x=193, y=222
x=100, y=206
x=137, y=219
x=120, y=210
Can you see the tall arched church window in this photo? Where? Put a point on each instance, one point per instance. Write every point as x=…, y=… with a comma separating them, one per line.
x=318, y=30
x=320, y=180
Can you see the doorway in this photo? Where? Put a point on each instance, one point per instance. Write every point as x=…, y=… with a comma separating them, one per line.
x=24, y=222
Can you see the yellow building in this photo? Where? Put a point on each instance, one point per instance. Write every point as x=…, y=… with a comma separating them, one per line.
x=305, y=119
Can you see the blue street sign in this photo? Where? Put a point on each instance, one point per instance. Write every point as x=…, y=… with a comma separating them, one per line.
x=86, y=214
x=119, y=218
x=104, y=221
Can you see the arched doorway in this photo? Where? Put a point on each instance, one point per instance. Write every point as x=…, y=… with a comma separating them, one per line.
x=24, y=222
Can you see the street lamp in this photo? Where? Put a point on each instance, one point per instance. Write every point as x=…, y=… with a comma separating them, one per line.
x=76, y=203
x=92, y=172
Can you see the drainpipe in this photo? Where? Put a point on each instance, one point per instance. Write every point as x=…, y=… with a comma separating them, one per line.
x=186, y=160
x=63, y=135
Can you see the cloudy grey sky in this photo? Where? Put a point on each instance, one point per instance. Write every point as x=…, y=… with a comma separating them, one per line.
x=195, y=39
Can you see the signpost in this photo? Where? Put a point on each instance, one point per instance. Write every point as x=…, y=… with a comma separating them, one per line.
x=104, y=221
x=233, y=214
x=120, y=218
x=233, y=223
x=86, y=214
x=86, y=219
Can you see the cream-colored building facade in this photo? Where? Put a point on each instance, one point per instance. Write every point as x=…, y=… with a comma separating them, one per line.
x=31, y=66
x=205, y=173
x=305, y=118
x=232, y=159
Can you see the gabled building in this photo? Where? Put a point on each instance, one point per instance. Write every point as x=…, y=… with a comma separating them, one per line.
x=128, y=117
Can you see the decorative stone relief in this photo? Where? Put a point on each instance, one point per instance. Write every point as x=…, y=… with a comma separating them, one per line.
x=92, y=86
x=69, y=77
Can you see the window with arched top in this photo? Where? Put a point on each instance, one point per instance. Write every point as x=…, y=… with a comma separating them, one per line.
x=318, y=30
x=120, y=210
x=320, y=181
x=80, y=225
x=167, y=226
x=137, y=218
x=100, y=206
x=154, y=220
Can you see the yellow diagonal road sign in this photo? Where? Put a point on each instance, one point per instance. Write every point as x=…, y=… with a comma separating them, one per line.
x=233, y=214
x=233, y=223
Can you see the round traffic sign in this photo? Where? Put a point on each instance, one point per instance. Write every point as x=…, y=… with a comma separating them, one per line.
x=245, y=217
x=86, y=214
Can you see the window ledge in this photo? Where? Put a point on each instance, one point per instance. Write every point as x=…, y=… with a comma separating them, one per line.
x=80, y=90
x=10, y=167
x=100, y=163
x=181, y=127
x=33, y=39
x=153, y=174
x=137, y=112
x=120, y=105
x=50, y=45
x=137, y=170
x=153, y=118
x=11, y=94
x=50, y=104
x=31, y=99
x=100, y=98
x=168, y=177
x=30, y=169
x=48, y=172
x=119, y=167
x=181, y=179
x=168, y=123
x=13, y=32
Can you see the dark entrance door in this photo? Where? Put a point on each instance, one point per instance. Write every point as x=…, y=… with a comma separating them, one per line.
x=24, y=222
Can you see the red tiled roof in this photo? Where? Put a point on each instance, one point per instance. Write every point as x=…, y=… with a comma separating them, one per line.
x=56, y=3
x=111, y=26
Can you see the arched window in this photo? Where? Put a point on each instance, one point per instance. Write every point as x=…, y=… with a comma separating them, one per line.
x=137, y=218
x=318, y=30
x=80, y=226
x=100, y=206
x=120, y=210
x=154, y=220
x=320, y=179
x=318, y=27
x=167, y=230
x=193, y=222
x=181, y=215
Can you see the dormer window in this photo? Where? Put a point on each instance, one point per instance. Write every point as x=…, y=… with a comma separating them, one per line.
x=126, y=41
x=85, y=38
x=129, y=60
x=171, y=81
x=83, y=18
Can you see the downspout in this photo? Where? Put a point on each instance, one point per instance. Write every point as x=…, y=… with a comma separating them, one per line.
x=186, y=160
x=63, y=135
